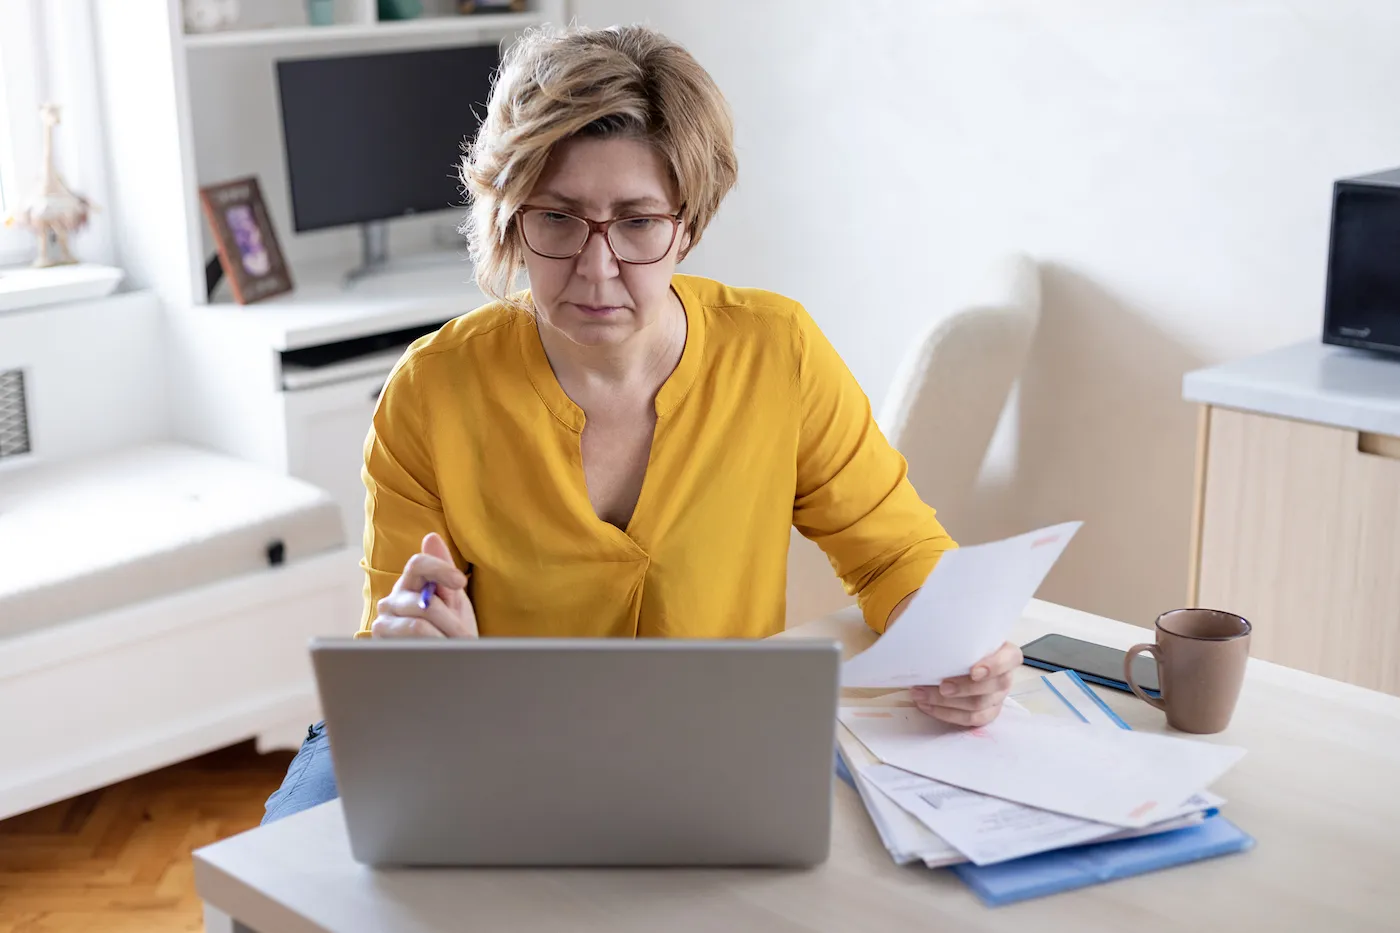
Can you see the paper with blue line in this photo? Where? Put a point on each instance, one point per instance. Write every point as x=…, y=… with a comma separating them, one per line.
x=1065, y=695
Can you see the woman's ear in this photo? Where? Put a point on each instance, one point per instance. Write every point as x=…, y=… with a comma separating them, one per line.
x=685, y=245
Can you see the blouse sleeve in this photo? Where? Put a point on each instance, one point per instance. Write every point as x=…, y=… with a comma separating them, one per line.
x=853, y=496
x=401, y=493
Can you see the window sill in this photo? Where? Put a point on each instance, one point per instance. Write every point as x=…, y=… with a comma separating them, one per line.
x=22, y=288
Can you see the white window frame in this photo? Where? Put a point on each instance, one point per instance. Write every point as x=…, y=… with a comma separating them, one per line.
x=22, y=77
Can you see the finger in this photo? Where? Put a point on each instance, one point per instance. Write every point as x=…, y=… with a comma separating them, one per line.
x=405, y=604
x=463, y=619
x=434, y=546
x=960, y=717
x=1006, y=658
x=468, y=620
x=967, y=700
x=966, y=686
x=403, y=627
x=449, y=620
x=424, y=567
x=973, y=701
x=454, y=598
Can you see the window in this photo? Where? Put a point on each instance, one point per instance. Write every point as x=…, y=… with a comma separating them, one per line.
x=21, y=86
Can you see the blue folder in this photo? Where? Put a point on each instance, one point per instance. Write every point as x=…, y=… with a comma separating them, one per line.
x=1080, y=866
x=844, y=774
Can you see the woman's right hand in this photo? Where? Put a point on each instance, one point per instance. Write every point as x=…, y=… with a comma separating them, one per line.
x=449, y=613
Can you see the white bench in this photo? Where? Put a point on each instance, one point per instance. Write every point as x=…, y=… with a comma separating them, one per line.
x=156, y=603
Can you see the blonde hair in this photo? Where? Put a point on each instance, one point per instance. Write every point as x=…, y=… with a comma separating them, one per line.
x=554, y=84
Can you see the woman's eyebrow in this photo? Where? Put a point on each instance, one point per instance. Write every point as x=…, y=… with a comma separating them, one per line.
x=645, y=202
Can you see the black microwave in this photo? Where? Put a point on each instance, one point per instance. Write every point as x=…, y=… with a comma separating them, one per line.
x=1363, y=264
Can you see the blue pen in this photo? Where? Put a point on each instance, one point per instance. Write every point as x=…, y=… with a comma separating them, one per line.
x=426, y=596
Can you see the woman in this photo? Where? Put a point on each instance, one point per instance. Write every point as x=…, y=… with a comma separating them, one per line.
x=622, y=450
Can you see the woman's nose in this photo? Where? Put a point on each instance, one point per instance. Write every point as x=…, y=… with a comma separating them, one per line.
x=596, y=261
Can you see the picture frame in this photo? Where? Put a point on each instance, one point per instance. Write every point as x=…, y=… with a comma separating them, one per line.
x=247, y=244
x=469, y=7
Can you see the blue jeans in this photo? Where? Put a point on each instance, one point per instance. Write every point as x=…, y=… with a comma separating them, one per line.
x=310, y=780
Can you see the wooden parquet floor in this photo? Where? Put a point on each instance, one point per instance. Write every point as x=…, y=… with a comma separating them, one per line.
x=117, y=860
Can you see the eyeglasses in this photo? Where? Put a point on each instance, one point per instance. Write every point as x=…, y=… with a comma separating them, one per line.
x=638, y=239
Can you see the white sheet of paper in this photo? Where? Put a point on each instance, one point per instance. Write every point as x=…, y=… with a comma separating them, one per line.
x=985, y=829
x=989, y=830
x=905, y=838
x=1125, y=778
x=963, y=613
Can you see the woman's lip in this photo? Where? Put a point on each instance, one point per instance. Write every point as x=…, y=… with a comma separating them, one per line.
x=596, y=309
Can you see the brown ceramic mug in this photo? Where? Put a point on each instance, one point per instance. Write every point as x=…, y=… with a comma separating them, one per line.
x=1200, y=656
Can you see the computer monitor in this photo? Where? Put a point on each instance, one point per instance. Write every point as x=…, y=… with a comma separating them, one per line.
x=373, y=137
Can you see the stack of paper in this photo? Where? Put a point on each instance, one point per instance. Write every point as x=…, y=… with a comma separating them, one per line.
x=905, y=838
x=923, y=818
x=1028, y=784
x=1057, y=769
x=1115, y=777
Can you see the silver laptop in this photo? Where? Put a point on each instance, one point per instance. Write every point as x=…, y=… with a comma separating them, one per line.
x=582, y=751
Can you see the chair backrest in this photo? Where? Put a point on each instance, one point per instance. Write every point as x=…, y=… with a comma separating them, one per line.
x=951, y=388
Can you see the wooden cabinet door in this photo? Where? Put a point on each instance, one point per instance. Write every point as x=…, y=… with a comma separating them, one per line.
x=1300, y=534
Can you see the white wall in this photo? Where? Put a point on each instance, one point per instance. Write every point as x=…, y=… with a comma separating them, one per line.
x=149, y=150
x=1169, y=161
x=95, y=375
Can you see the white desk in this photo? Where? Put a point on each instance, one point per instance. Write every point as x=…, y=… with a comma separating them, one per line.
x=1317, y=789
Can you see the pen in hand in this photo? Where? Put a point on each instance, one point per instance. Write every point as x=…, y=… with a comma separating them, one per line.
x=426, y=595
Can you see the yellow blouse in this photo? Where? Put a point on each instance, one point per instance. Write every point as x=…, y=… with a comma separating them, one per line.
x=760, y=427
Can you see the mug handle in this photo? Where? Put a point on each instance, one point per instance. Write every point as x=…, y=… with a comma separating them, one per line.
x=1133, y=652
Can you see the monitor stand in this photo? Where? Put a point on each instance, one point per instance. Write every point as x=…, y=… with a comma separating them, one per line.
x=374, y=251
x=374, y=256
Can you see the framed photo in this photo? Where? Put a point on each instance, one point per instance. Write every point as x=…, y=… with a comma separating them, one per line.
x=247, y=244
x=468, y=7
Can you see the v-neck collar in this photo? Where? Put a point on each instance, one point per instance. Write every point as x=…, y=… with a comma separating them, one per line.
x=668, y=397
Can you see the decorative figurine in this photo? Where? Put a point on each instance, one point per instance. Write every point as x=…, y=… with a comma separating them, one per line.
x=54, y=211
x=210, y=15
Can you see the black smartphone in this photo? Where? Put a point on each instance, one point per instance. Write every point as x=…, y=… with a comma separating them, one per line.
x=1095, y=663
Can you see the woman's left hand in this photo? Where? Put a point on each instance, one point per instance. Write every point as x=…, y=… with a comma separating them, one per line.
x=975, y=698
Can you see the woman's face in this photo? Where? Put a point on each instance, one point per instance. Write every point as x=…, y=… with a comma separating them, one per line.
x=593, y=298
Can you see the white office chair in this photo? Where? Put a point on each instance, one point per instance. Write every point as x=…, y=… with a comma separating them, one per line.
x=942, y=410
